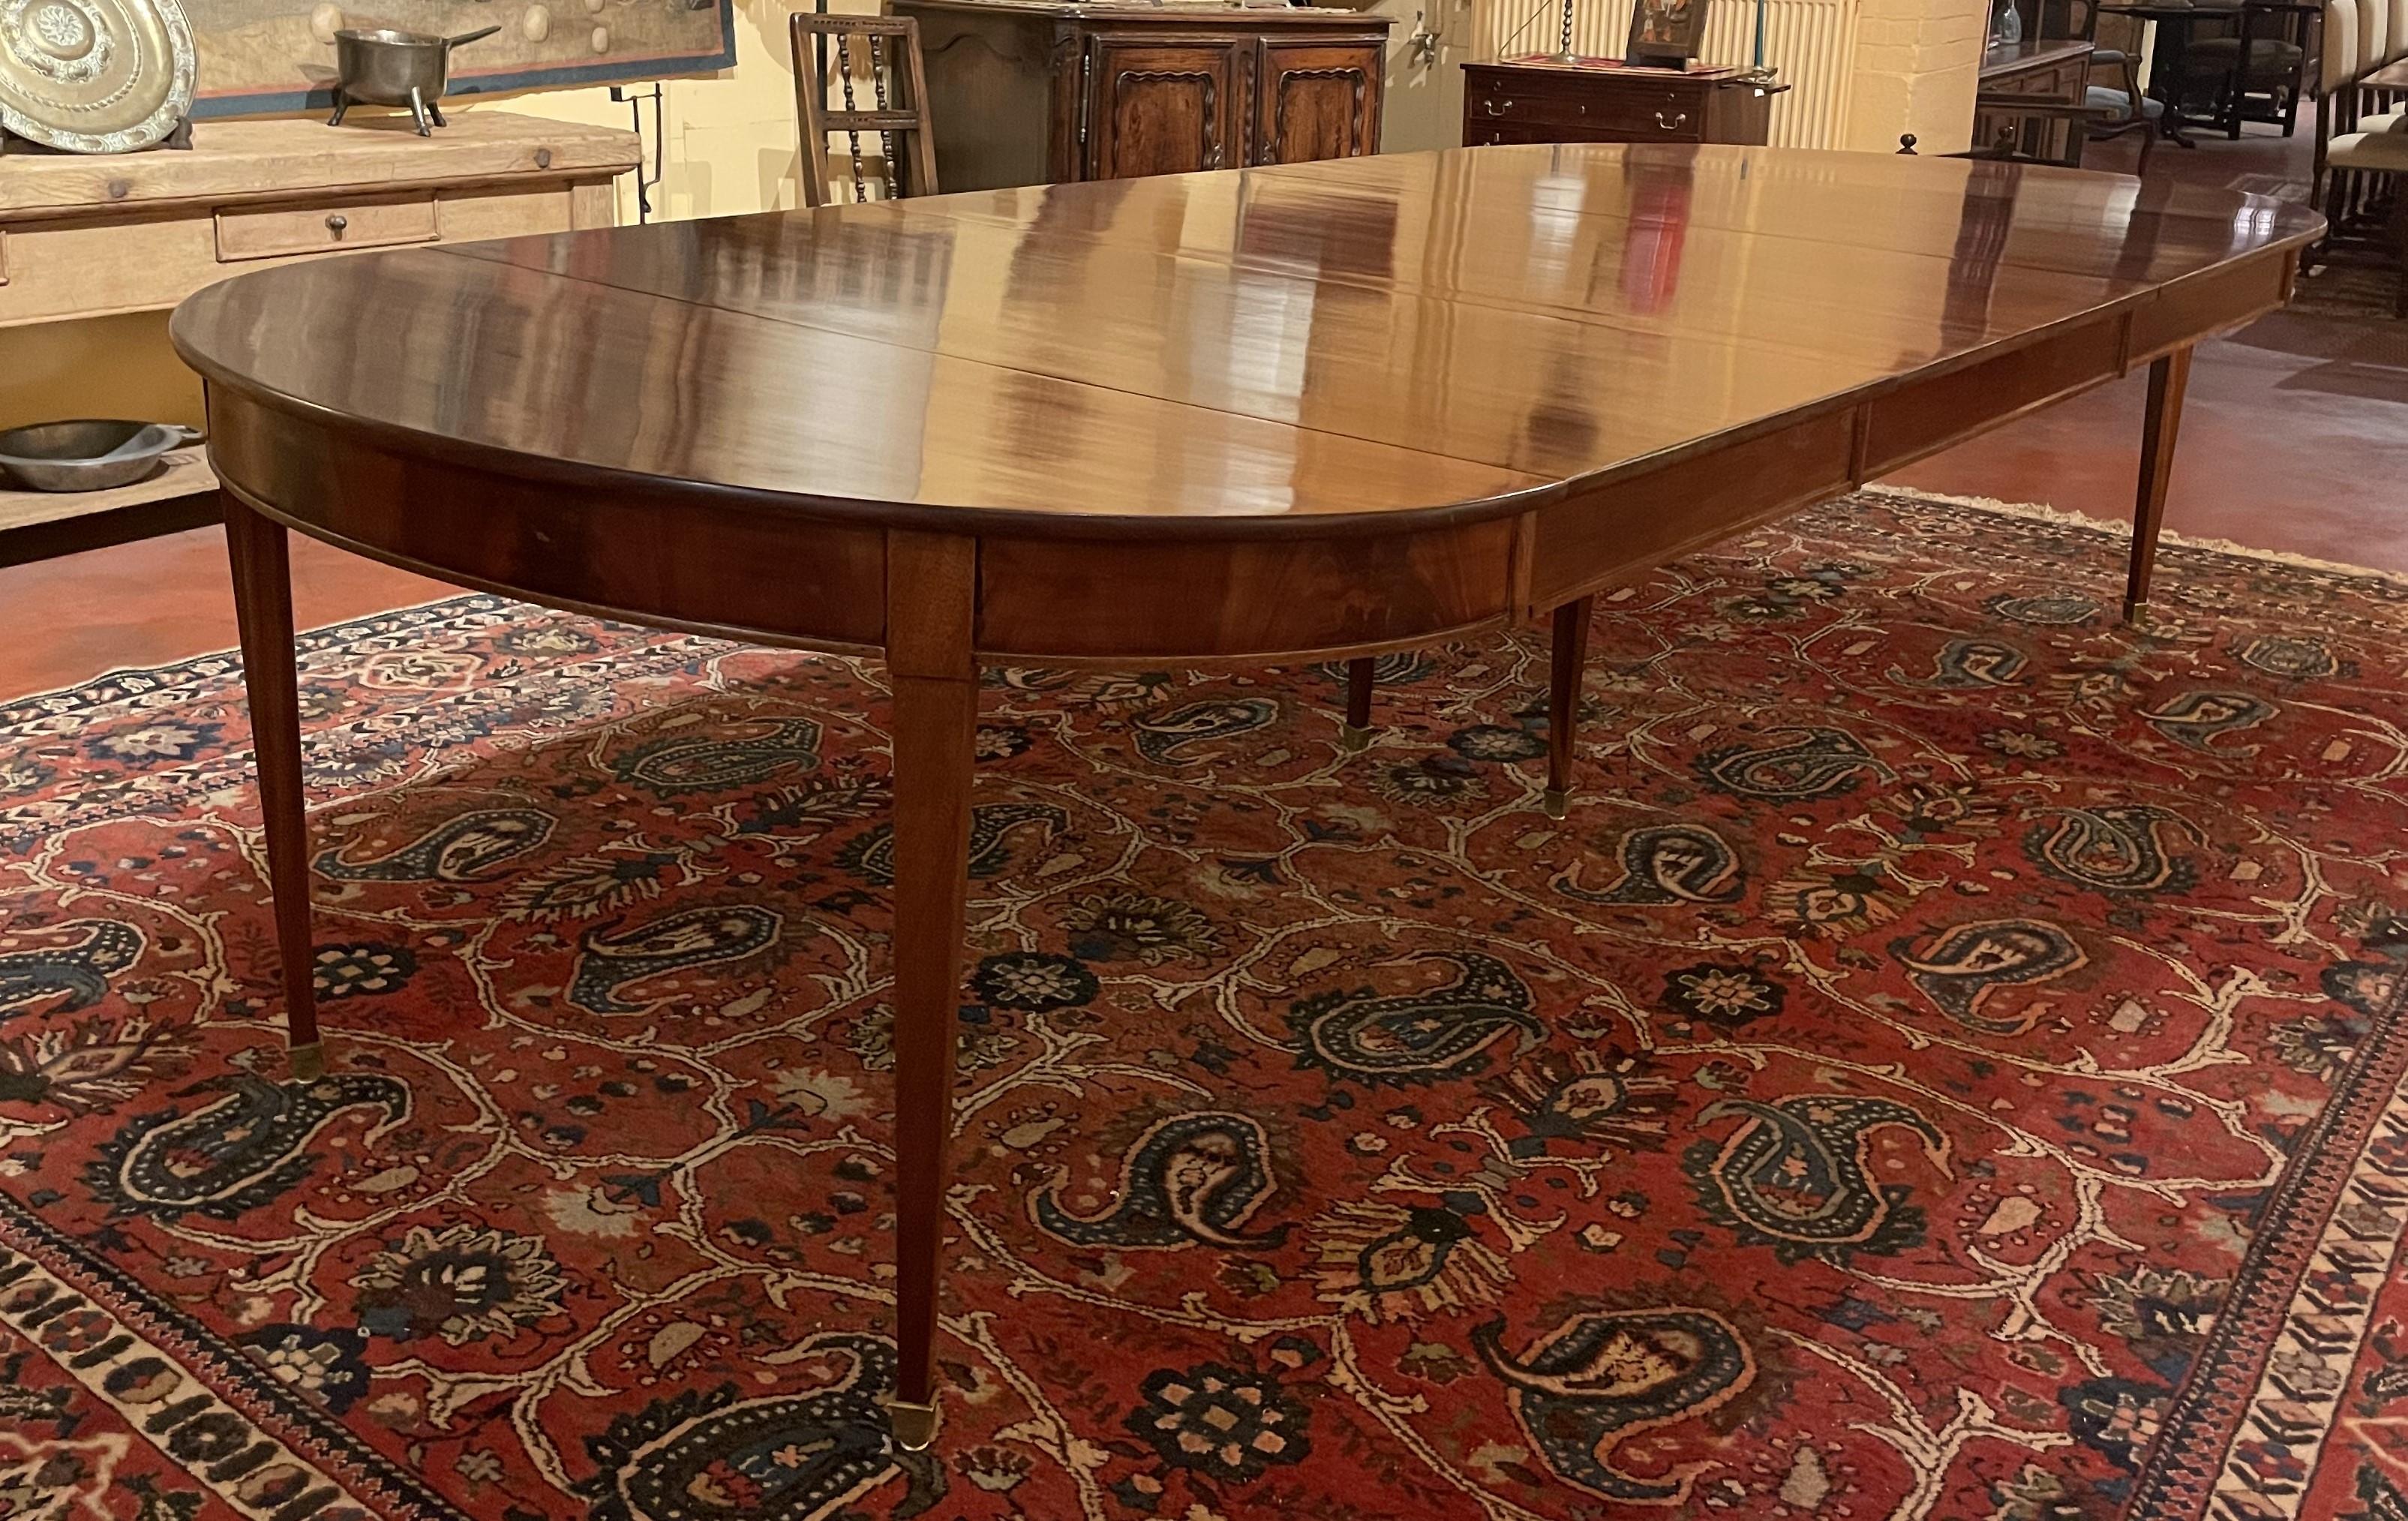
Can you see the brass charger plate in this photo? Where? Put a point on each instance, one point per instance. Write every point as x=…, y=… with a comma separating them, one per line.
x=95, y=75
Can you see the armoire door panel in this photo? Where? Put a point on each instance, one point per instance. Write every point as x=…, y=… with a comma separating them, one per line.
x=1317, y=100
x=1164, y=108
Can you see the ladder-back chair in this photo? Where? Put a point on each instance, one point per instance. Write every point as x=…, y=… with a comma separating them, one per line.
x=872, y=56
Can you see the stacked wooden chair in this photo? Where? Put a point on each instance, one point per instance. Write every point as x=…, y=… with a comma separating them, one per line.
x=2361, y=131
x=2112, y=92
x=873, y=64
x=2117, y=106
x=2260, y=67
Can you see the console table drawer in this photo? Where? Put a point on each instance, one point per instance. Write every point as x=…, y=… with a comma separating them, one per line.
x=1632, y=111
x=1482, y=133
x=1538, y=102
x=281, y=231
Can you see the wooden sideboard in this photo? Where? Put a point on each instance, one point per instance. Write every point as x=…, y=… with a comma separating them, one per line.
x=2040, y=69
x=1532, y=100
x=2036, y=71
x=90, y=236
x=1033, y=92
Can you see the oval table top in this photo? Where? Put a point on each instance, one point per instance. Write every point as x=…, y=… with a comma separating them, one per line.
x=1327, y=409
x=1469, y=332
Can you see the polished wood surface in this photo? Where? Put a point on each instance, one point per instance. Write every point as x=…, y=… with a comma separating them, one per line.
x=2161, y=423
x=1324, y=410
x=1362, y=679
x=1161, y=351
x=262, y=593
x=934, y=580
x=1044, y=93
x=1567, y=657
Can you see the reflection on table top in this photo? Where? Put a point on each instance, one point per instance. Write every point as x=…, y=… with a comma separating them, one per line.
x=1402, y=331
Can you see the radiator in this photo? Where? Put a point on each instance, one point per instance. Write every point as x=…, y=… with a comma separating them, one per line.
x=1813, y=43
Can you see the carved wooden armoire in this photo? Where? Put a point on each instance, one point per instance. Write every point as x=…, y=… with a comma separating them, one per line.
x=1036, y=91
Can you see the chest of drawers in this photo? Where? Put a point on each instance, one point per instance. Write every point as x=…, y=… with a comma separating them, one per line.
x=1527, y=101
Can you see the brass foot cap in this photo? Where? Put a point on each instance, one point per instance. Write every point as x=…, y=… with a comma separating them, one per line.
x=915, y=1426
x=2135, y=614
x=1352, y=740
x=307, y=1063
x=1554, y=802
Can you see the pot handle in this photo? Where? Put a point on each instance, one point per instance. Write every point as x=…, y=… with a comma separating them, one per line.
x=466, y=38
x=185, y=436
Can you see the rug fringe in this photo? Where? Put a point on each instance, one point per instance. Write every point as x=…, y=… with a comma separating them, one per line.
x=2043, y=513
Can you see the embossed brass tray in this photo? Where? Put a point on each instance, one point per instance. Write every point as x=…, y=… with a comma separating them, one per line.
x=95, y=75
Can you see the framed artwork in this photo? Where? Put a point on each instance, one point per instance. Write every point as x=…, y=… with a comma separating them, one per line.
x=262, y=56
x=1665, y=32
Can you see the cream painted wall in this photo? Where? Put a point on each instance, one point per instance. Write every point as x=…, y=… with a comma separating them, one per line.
x=729, y=141
x=1916, y=67
x=104, y=367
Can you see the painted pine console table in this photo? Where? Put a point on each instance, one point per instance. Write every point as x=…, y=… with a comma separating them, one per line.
x=92, y=237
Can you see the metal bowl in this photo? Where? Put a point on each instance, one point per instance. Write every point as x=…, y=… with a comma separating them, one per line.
x=382, y=67
x=88, y=454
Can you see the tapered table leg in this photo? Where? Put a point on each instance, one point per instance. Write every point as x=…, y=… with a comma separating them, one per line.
x=930, y=596
x=1357, y=732
x=2169, y=377
x=263, y=600
x=1570, y=655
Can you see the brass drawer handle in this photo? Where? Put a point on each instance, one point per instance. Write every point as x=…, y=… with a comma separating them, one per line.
x=1675, y=124
x=1497, y=109
x=336, y=222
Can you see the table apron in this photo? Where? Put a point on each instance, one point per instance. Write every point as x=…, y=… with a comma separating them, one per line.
x=778, y=574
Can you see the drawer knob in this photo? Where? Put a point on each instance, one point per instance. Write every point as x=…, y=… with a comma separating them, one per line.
x=1680, y=120
x=336, y=222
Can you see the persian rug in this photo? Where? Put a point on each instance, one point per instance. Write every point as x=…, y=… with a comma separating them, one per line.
x=1947, y=1065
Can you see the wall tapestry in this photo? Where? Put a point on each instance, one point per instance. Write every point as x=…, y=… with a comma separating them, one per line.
x=260, y=56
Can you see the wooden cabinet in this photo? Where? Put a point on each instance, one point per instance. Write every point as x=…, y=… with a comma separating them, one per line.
x=1532, y=101
x=1317, y=100
x=2016, y=76
x=1034, y=91
x=1154, y=108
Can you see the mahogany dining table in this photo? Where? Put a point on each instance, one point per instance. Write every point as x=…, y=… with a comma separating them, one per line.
x=1305, y=411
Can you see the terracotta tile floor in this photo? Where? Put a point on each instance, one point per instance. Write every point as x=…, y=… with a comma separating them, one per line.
x=2295, y=438
x=2294, y=435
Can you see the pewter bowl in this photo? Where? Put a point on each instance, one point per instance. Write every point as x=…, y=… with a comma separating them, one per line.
x=88, y=454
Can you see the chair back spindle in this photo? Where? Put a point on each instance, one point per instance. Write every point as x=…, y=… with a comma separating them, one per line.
x=883, y=53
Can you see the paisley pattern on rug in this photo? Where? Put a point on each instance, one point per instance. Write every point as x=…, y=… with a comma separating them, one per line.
x=1190, y=1180
x=1604, y=1376
x=1948, y=1064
